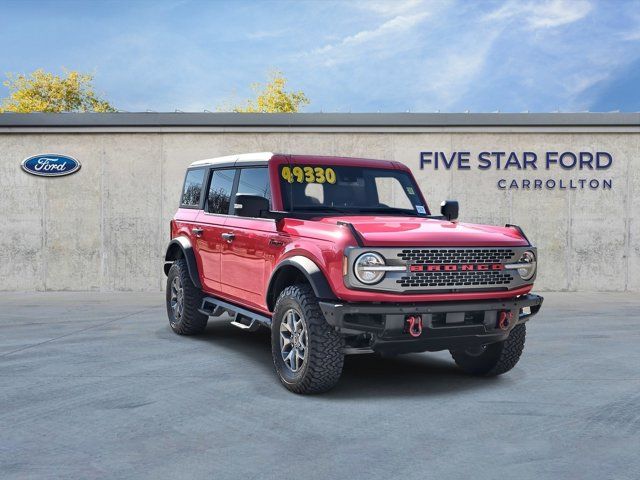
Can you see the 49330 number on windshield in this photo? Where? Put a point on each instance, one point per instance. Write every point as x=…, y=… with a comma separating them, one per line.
x=308, y=174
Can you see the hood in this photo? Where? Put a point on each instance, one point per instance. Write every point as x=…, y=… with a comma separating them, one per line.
x=416, y=231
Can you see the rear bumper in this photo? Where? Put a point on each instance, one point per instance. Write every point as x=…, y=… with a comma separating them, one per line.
x=446, y=325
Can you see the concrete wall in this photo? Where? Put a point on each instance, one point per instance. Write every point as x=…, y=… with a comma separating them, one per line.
x=105, y=228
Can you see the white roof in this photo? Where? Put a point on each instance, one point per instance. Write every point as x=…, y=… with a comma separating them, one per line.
x=234, y=159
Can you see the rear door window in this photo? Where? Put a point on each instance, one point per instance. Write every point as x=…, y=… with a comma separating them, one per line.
x=192, y=190
x=220, y=187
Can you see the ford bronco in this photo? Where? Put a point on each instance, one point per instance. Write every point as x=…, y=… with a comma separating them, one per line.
x=341, y=256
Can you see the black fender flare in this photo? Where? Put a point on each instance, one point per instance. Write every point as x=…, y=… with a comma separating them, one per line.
x=311, y=272
x=182, y=245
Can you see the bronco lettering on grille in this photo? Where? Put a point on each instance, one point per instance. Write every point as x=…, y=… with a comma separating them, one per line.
x=465, y=267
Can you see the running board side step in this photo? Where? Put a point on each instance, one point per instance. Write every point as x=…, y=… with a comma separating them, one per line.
x=251, y=326
x=245, y=319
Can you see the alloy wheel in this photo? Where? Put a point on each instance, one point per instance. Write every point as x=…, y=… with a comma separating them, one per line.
x=177, y=298
x=293, y=340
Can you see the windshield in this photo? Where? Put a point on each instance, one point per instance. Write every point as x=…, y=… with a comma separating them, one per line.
x=349, y=190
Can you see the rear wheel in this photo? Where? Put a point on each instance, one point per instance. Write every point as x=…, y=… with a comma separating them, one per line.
x=307, y=353
x=494, y=359
x=183, y=301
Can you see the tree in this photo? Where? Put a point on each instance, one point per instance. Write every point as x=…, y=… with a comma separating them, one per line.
x=42, y=91
x=272, y=97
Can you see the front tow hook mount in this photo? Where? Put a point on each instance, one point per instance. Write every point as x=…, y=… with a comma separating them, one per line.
x=413, y=325
x=504, y=320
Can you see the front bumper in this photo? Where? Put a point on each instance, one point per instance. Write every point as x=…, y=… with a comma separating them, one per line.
x=446, y=325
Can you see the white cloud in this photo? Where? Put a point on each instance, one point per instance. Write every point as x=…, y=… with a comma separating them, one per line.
x=379, y=39
x=396, y=25
x=577, y=84
x=631, y=36
x=456, y=69
x=558, y=12
x=548, y=14
x=400, y=19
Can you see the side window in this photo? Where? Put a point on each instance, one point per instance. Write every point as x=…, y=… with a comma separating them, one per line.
x=192, y=188
x=220, y=188
x=254, y=181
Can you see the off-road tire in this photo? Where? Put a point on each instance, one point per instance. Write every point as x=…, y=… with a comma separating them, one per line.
x=498, y=358
x=192, y=321
x=324, y=356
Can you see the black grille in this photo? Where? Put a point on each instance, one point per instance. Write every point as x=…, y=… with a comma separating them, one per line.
x=456, y=256
x=456, y=279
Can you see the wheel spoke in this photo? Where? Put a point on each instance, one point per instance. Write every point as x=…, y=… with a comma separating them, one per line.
x=289, y=359
x=285, y=326
x=295, y=360
x=291, y=319
x=293, y=340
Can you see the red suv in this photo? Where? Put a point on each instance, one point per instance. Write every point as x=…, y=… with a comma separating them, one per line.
x=340, y=256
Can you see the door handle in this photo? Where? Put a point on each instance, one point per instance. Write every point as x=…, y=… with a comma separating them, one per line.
x=229, y=237
x=197, y=231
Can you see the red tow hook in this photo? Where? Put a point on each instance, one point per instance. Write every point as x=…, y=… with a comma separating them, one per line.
x=413, y=325
x=504, y=319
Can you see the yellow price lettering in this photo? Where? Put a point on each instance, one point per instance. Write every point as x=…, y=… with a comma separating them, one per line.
x=330, y=175
x=319, y=171
x=286, y=174
x=299, y=174
x=309, y=174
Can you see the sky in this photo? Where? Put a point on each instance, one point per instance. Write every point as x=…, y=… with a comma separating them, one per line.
x=346, y=56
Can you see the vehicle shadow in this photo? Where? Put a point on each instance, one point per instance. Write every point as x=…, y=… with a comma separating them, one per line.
x=416, y=374
x=363, y=376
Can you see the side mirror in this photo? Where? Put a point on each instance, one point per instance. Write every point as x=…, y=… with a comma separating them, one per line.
x=250, y=205
x=449, y=209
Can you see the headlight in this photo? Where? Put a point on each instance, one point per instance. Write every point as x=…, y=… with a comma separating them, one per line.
x=368, y=268
x=527, y=265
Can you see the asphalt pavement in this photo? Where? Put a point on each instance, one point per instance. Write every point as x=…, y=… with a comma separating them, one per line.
x=95, y=385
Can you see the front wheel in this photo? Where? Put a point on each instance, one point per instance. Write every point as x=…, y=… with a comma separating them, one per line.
x=307, y=353
x=494, y=359
x=183, y=301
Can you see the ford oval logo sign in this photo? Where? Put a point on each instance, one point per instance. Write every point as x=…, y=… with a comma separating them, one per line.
x=50, y=165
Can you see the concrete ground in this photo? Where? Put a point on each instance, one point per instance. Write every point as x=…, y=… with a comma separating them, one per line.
x=97, y=386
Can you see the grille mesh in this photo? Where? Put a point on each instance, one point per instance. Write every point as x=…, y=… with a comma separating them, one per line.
x=455, y=255
x=455, y=279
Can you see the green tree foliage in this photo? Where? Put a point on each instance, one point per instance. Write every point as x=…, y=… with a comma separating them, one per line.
x=272, y=97
x=41, y=91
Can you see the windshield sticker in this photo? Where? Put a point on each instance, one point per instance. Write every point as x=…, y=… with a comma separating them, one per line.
x=308, y=174
x=420, y=209
x=410, y=191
